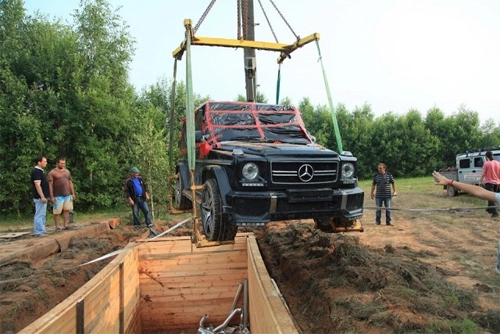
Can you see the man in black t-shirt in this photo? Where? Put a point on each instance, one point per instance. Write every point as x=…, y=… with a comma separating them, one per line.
x=383, y=181
x=40, y=195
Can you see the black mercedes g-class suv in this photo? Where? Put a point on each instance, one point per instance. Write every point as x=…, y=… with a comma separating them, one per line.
x=256, y=163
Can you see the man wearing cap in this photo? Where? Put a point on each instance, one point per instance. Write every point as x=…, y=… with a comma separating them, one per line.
x=136, y=192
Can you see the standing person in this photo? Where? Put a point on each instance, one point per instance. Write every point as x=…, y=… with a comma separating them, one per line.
x=136, y=192
x=475, y=191
x=490, y=179
x=383, y=181
x=40, y=195
x=62, y=192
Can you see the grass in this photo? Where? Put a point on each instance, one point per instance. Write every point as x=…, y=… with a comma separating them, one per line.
x=423, y=193
x=16, y=222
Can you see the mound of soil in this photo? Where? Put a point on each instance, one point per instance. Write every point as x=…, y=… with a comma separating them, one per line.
x=30, y=289
x=334, y=284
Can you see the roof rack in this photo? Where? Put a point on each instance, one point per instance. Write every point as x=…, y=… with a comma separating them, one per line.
x=480, y=150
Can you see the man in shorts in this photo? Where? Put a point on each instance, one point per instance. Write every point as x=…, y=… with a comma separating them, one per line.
x=62, y=192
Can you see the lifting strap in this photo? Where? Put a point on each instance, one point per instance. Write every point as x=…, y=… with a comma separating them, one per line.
x=171, y=122
x=330, y=103
x=190, y=128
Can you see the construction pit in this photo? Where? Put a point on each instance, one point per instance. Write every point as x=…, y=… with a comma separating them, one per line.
x=385, y=280
x=150, y=285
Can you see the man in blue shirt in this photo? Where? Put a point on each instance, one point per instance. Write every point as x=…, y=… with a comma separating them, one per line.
x=136, y=192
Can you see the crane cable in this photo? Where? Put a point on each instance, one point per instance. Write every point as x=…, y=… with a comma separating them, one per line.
x=203, y=16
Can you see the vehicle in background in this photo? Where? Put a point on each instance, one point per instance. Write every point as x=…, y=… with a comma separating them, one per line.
x=468, y=168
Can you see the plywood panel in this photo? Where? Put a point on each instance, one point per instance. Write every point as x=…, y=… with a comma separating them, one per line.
x=179, y=245
x=181, y=283
x=62, y=318
x=268, y=313
x=131, y=293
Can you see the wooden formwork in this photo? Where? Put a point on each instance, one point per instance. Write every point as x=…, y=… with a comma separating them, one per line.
x=108, y=303
x=168, y=285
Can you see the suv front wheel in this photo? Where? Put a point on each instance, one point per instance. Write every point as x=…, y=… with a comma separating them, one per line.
x=215, y=227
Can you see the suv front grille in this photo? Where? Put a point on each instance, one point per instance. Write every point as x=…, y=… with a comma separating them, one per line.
x=304, y=172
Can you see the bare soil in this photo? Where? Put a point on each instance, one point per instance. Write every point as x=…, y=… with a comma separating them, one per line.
x=431, y=272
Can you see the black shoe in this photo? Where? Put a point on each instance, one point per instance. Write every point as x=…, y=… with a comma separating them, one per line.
x=136, y=227
x=389, y=224
x=150, y=226
x=377, y=223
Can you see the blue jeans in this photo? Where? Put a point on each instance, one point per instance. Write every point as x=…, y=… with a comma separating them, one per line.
x=387, y=203
x=40, y=216
x=140, y=203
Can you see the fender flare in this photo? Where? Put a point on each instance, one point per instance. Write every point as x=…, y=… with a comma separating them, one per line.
x=220, y=176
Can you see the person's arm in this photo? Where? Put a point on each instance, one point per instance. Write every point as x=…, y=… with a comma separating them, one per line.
x=38, y=187
x=394, y=189
x=372, y=194
x=72, y=189
x=127, y=193
x=51, y=191
x=145, y=189
x=468, y=188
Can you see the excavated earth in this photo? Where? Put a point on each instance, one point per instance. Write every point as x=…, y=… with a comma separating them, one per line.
x=431, y=272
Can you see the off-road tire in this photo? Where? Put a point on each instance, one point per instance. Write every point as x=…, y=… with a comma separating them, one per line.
x=451, y=191
x=214, y=225
x=181, y=202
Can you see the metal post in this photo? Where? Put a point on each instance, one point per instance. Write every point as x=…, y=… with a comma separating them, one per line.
x=250, y=60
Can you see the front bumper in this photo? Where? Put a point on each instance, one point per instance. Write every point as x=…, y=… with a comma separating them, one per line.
x=258, y=208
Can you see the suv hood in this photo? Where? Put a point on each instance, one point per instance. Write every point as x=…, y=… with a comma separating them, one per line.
x=270, y=149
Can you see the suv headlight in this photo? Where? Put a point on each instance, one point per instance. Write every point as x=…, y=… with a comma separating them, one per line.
x=250, y=171
x=347, y=171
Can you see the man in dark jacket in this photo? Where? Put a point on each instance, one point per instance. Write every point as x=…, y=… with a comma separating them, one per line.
x=136, y=192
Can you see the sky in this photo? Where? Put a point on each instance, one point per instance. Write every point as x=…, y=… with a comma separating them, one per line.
x=394, y=55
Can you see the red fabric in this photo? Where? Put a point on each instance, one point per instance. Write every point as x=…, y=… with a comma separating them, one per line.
x=205, y=149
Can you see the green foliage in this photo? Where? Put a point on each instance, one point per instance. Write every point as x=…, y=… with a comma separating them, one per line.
x=64, y=91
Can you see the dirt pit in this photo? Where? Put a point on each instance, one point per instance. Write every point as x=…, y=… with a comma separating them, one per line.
x=431, y=272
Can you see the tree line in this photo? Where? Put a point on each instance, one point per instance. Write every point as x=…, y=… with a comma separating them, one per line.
x=64, y=91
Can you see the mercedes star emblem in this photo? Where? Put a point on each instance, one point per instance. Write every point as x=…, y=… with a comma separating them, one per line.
x=305, y=173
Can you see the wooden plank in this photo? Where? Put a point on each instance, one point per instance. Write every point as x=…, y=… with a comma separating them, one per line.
x=182, y=245
x=56, y=320
x=184, y=318
x=12, y=235
x=150, y=249
x=193, y=258
x=182, y=283
x=268, y=313
x=189, y=271
x=131, y=293
x=187, y=296
x=192, y=282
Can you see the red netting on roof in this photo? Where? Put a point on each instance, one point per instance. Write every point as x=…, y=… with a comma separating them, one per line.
x=254, y=122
